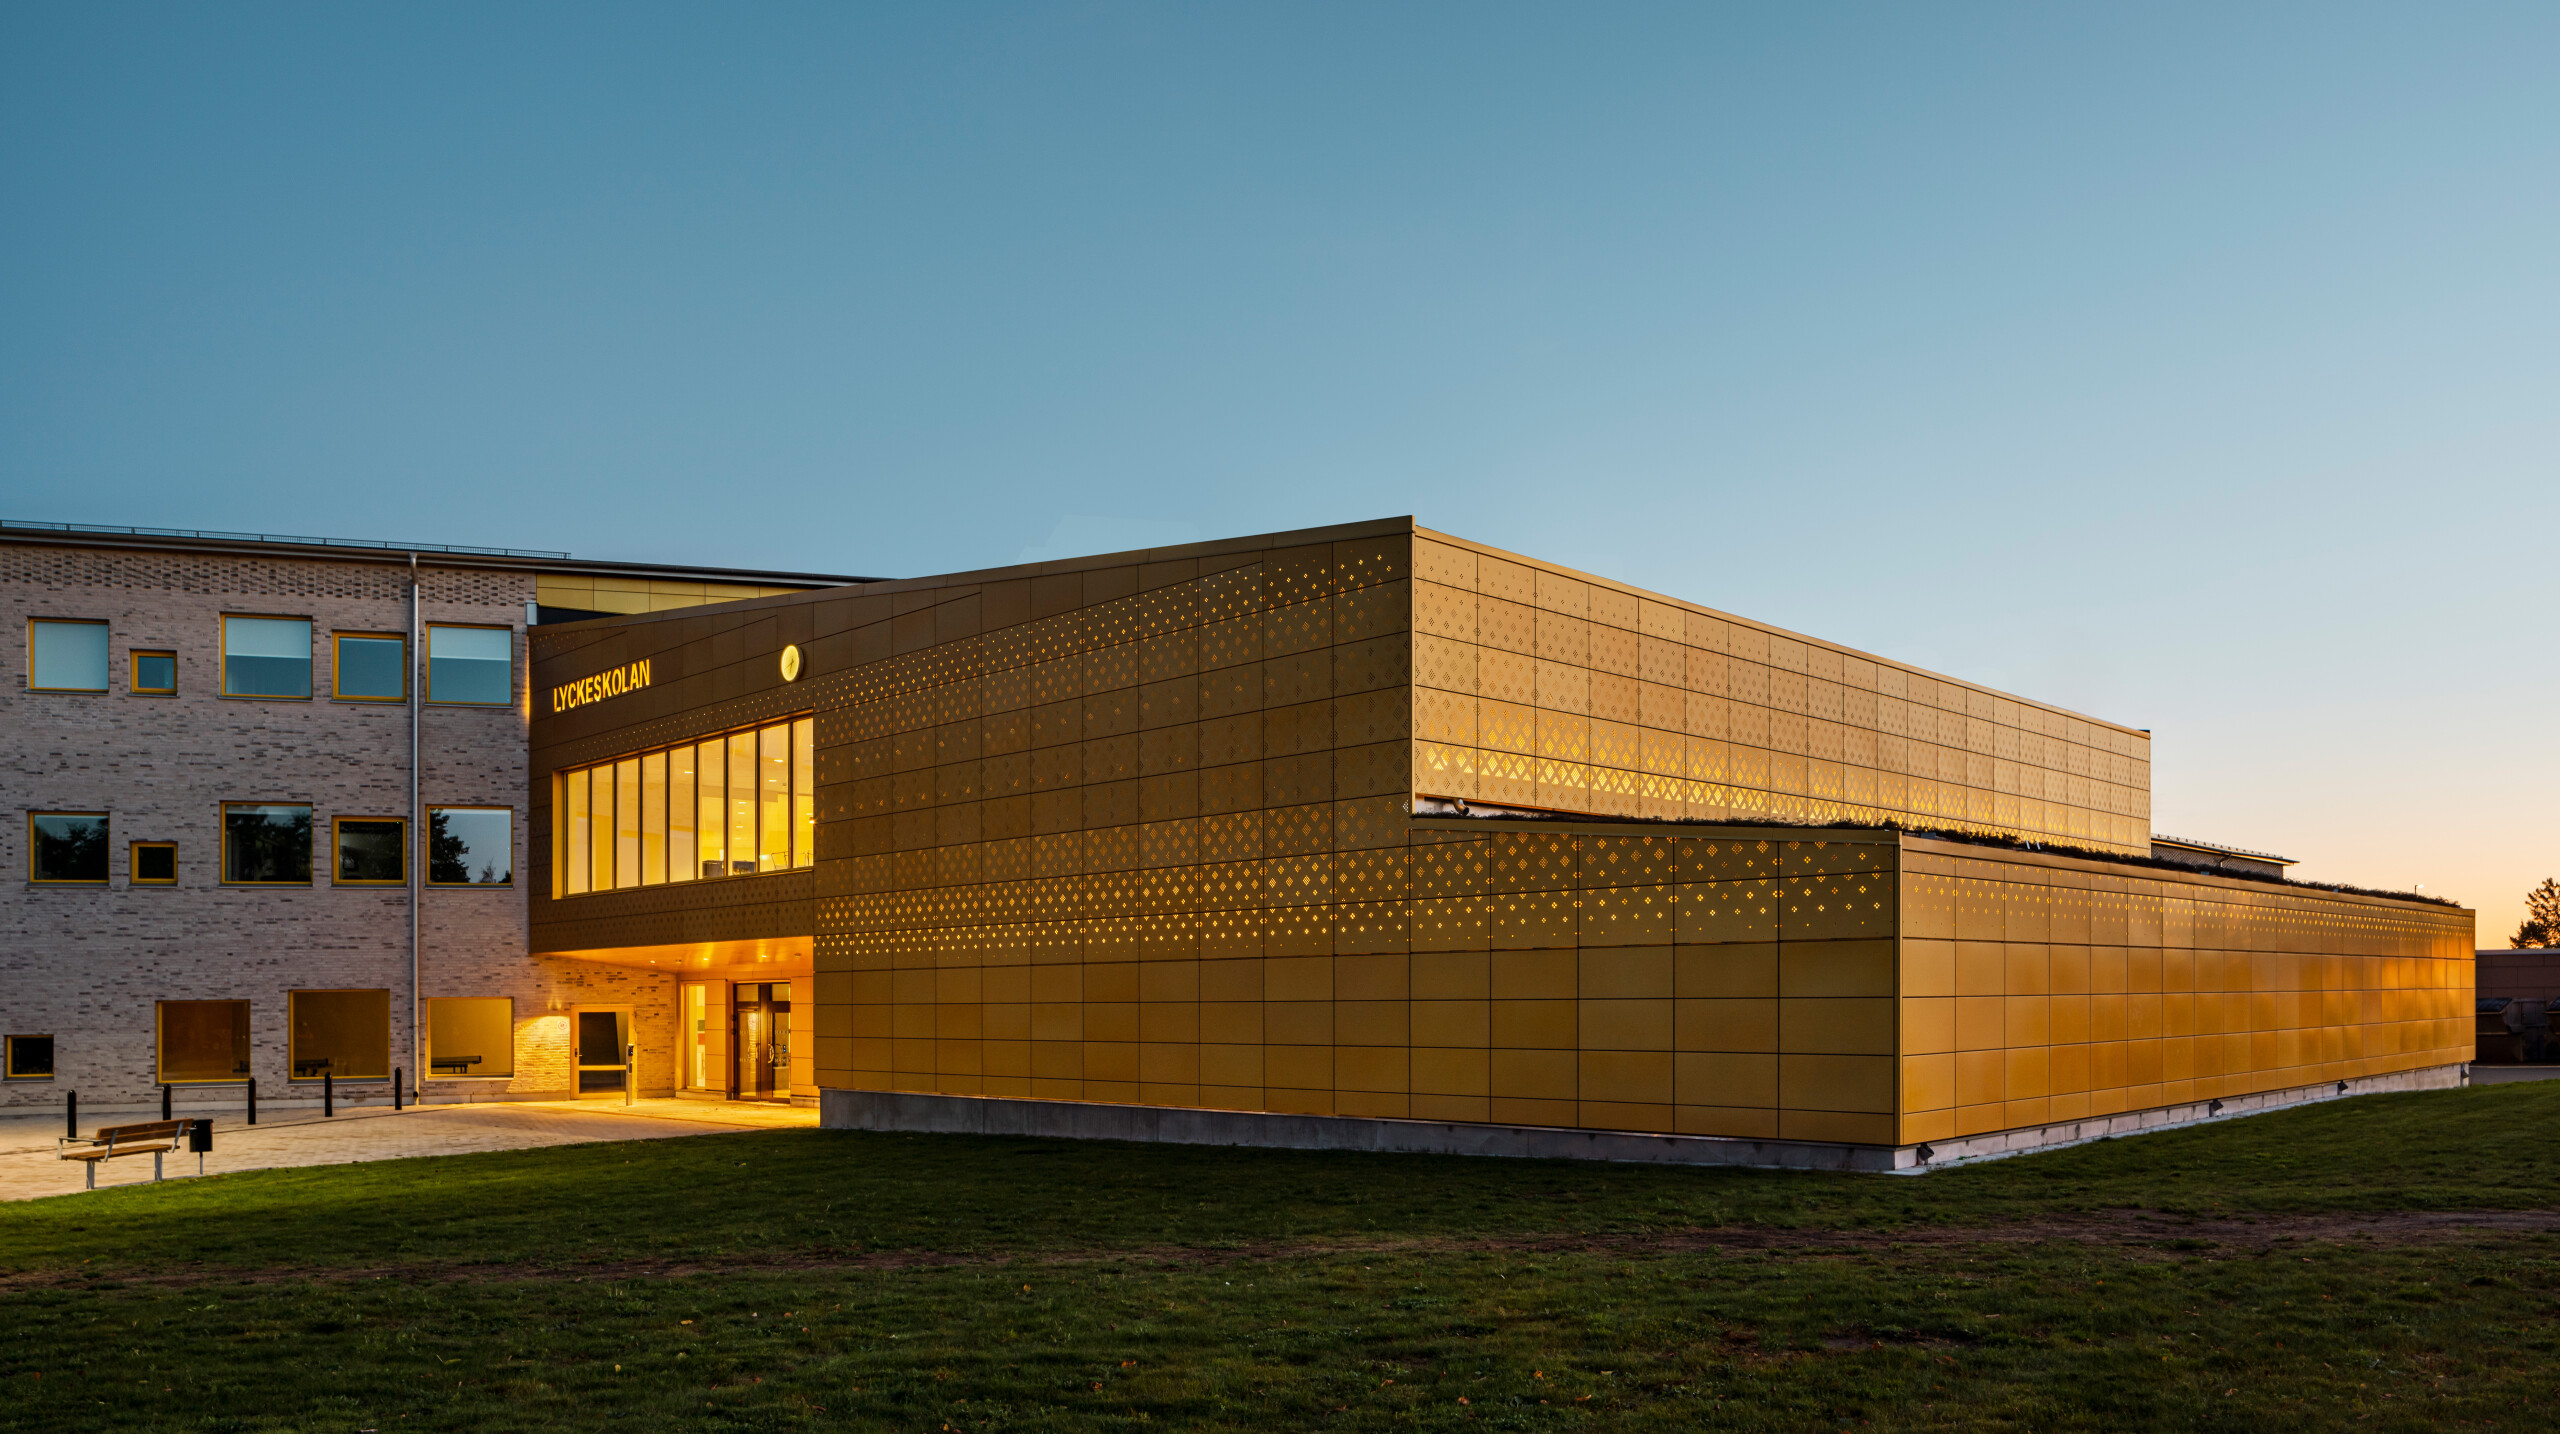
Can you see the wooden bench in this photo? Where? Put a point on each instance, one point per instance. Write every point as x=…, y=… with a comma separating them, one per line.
x=154, y=1138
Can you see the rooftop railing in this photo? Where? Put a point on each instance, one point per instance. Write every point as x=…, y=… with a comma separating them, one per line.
x=109, y=529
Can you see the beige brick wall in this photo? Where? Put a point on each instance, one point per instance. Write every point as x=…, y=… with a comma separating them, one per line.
x=87, y=965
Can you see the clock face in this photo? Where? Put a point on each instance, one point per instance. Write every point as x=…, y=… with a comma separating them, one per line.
x=791, y=663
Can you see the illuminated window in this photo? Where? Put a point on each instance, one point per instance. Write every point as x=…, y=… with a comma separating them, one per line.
x=471, y=1038
x=804, y=793
x=370, y=666
x=471, y=665
x=346, y=1034
x=66, y=655
x=155, y=673
x=266, y=656
x=30, y=1058
x=732, y=805
x=67, y=848
x=370, y=851
x=266, y=844
x=471, y=846
x=203, y=1041
x=154, y=863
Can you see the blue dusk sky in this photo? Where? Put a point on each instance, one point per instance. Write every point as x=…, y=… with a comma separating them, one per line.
x=2193, y=366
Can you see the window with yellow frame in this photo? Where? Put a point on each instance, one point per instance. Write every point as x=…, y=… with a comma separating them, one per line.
x=369, y=851
x=369, y=667
x=67, y=848
x=266, y=844
x=154, y=672
x=266, y=656
x=66, y=654
x=471, y=666
x=153, y=863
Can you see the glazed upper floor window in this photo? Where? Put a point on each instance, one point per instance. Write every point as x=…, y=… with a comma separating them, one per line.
x=266, y=656
x=66, y=655
x=733, y=805
x=471, y=665
x=369, y=666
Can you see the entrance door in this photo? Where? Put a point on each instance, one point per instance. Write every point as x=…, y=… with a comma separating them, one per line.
x=604, y=1043
x=764, y=1040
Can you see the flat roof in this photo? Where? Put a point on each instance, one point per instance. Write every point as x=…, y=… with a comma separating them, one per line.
x=194, y=540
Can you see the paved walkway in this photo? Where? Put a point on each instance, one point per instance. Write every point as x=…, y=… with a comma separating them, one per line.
x=29, y=1166
x=2500, y=1075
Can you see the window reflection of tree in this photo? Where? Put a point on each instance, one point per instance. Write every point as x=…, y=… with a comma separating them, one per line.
x=451, y=849
x=71, y=849
x=268, y=846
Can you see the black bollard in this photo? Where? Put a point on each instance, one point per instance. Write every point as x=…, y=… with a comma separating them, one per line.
x=71, y=1114
x=253, y=1100
x=395, y=1091
x=328, y=1093
x=164, y=1100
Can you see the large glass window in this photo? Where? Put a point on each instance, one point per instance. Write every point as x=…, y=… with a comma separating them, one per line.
x=713, y=759
x=471, y=846
x=67, y=847
x=471, y=1037
x=266, y=845
x=773, y=799
x=680, y=815
x=203, y=1041
x=472, y=665
x=742, y=803
x=626, y=822
x=371, y=851
x=728, y=806
x=371, y=666
x=155, y=673
x=653, y=819
x=266, y=656
x=66, y=655
x=804, y=793
x=346, y=1034
x=573, y=822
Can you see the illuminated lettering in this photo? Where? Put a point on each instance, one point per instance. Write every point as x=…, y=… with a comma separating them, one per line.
x=612, y=682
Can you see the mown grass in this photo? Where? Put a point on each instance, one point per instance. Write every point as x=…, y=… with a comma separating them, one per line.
x=848, y=1281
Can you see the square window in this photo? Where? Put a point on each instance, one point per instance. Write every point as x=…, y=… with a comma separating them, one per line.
x=474, y=665
x=203, y=1041
x=30, y=1058
x=346, y=1034
x=66, y=655
x=266, y=656
x=266, y=845
x=471, y=846
x=471, y=1037
x=371, y=851
x=154, y=863
x=155, y=674
x=370, y=666
x=69, y=848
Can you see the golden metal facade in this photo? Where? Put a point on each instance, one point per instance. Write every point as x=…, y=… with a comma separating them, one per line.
x=1139, y=829
x=2040, y=989
x=1538, y=686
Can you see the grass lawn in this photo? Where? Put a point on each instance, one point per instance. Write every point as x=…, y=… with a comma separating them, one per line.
x=2391, y=1262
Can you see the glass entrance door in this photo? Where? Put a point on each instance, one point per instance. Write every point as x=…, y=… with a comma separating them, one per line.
x=604, y=1042
x=764, y=1040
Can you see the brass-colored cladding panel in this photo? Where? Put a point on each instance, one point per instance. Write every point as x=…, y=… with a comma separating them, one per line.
x=1537, y=686
x=2037, y=988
